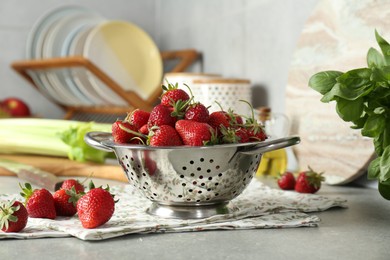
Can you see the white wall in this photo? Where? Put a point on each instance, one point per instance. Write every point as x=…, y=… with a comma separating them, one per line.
x=251, y=39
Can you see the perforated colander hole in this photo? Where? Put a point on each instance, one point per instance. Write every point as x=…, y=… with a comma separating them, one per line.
x=208, y=170
x=207, y=198
x=180, y=196
x=192, y=174
x=210, y=178
x=191, y=162
x=202, y=184
x=216, y=184
x=211, y=161
x=220, y=174
x=184, y=168
x=244, y=180
x=199, y=169
x=200, y=192
x=154, y=194
x=216, y=194
x=197, y=200
x=183, y=184
x=127, y=157
x=132, y=173
x=128, y=165
x=182, y=176
x=194, y=183
x=146, y=183
x=201, y=177
x=143, y=174
x=217, y=167
x=201, y=160
x=190, y=190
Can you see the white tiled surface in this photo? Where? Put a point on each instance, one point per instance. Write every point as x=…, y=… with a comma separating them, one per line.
x=251, y=39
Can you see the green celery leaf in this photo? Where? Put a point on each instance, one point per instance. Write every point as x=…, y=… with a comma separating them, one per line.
x=324, y=81
x=79, y=150
x=350, y=110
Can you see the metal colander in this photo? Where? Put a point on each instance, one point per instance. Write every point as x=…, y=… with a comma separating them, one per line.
x=189, y=182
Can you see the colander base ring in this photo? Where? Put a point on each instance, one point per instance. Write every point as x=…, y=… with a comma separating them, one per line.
x=188, y=212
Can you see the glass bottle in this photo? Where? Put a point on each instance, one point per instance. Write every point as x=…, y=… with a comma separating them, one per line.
x=276, y=125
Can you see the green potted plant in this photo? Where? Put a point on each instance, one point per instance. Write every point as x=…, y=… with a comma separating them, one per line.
x=362, y=97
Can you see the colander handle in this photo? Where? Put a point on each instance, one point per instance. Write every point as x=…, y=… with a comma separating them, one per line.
x=96, y=139
x=271, y=145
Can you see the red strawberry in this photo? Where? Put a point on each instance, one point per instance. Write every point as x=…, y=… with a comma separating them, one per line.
x=218, y=119
x=63, y=203
x=13, y=216
x=232, y=135
x=70, y=183
x=309, y=181
x=138, y=118
x=194, y=133
x=161, y=115
x=39, y=202
x=173, y=94
x=144, y=130
x=255, y=130
x=95, y=208
x=124, y=132
x=286, y=181
x=197, y=112
x=164, y=135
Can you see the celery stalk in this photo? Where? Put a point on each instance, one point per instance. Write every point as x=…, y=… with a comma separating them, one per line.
x=51, y=137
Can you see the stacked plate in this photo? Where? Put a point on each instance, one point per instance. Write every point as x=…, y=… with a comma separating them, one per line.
x=120, y=49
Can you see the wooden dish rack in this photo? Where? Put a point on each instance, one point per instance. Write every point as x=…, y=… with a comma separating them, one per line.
x=184, y=58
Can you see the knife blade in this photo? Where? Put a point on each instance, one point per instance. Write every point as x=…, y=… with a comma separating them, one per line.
x=33, y=175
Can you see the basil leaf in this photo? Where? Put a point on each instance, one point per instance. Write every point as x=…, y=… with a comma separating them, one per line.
x=374, y=125
x=378, y=141
x=385, y=47
x=359, y=123
x=373, y=169
x=385, y=165
x=347, y=92
x=375, y=58
x=350, y=110
x=324, y=81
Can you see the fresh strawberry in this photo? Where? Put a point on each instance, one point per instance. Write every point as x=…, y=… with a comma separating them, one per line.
x=197, y=112
x=194, y=133
x=39, y=202
x=308, y=181
x=13, y=216
x=70, y=183
x=63, y=203
x=232, y=135
x=218, y=119
x=164, y=135
x=144, y=130
x=138, y=118
x=124, y=132
x=95, y=208
x=161, y=115
x=173, y=94
x=286, y=181
x=255, y=130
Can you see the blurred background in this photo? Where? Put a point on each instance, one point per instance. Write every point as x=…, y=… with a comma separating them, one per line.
x=252, y=39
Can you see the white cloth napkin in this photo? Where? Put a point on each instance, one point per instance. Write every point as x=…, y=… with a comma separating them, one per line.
x=259, y=206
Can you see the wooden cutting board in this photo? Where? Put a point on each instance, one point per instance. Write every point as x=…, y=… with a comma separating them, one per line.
x=336, y=36
x=66, y=167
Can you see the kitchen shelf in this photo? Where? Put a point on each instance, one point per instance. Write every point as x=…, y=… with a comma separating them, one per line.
x=184, y=59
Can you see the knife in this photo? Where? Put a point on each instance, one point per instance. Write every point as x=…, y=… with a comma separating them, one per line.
x=32, y=175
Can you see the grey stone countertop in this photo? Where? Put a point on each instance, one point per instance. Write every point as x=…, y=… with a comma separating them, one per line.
x=361, y=231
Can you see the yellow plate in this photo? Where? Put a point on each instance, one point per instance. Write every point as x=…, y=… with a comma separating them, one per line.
x=127, y=54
